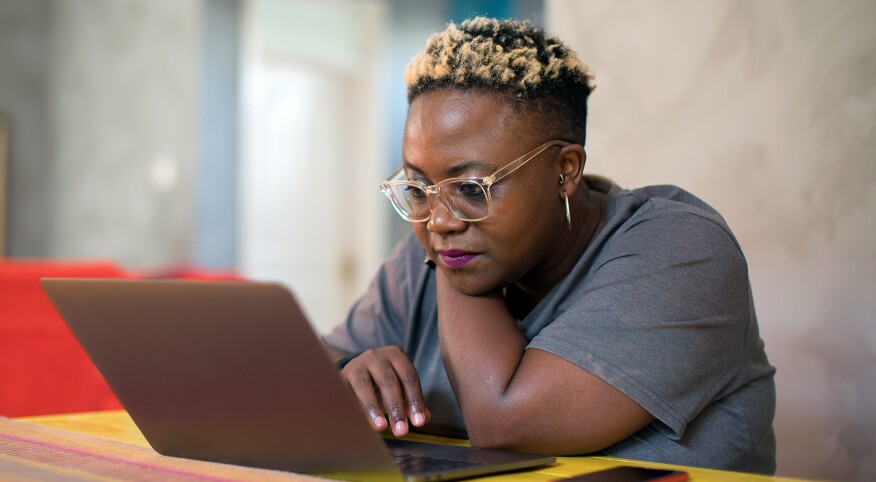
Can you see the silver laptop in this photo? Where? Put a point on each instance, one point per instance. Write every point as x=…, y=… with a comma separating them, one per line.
x=233, y=372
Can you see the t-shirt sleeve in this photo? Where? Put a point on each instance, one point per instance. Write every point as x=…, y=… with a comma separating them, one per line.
x=662, y=316
x=380, y=317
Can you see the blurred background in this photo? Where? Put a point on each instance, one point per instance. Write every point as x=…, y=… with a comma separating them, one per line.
x=248, y=137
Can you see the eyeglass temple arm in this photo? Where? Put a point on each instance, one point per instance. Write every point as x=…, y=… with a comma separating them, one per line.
x=509, y=168
x=504, y=171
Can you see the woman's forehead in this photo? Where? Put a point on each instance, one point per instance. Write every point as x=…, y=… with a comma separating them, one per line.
x=451, y=113
x=452, y=126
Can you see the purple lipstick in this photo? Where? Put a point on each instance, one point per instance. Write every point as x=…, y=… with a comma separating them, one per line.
x=455, y=258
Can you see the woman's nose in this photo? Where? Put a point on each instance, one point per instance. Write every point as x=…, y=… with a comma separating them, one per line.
x=442, y=221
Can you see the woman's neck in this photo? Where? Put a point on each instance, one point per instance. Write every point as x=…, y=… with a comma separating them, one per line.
x=589, y=207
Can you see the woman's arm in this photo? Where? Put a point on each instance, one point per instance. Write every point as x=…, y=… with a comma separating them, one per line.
x=528, y=400
x=375, y=366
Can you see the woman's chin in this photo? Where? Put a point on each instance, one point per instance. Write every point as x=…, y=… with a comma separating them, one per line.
x=471, y=284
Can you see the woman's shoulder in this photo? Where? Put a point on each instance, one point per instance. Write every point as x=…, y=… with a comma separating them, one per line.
x=662, y=197
x=406, y=268
x=663, y=208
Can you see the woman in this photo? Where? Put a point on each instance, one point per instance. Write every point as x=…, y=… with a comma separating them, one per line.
x=555, y=312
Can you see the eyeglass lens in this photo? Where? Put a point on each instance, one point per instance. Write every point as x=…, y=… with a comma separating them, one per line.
x=465, y=199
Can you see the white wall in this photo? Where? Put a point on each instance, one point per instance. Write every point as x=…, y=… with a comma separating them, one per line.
x=766, y=110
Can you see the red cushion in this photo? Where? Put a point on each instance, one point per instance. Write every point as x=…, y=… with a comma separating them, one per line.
x=43, y=370
x=187, y=272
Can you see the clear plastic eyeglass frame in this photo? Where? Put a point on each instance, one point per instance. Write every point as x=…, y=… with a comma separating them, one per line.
x=393, y=185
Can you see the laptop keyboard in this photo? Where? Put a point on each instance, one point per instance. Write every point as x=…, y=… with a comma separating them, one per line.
x=415, y=464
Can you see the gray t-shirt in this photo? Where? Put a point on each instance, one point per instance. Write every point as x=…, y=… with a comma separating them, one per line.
x=659, y=306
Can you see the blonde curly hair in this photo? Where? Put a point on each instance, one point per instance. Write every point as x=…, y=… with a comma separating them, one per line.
x=508, y=57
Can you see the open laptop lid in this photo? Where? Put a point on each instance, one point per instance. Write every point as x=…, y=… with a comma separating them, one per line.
x=225, y=372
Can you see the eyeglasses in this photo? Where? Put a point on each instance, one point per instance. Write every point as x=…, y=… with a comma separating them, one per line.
x=468, y=199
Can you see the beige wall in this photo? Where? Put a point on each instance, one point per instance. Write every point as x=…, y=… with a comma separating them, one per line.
x=766, y=110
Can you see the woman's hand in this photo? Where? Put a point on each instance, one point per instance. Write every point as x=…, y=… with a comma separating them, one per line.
x=387, y=386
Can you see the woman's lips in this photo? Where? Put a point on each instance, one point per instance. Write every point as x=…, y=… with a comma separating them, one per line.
x=455, y=258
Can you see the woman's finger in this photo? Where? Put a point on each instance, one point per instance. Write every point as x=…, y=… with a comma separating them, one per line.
x=413, y=392
x=359, y=378
x=391, y=392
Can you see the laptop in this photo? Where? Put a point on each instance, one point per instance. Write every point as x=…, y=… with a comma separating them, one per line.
x=232, y=372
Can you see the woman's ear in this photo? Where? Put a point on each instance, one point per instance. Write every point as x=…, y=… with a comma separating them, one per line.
x=572, y=168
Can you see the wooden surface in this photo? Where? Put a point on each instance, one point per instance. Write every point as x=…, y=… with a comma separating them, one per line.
x=34, y=452
x=118, y=426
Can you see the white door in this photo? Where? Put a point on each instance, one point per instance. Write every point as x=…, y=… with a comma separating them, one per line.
x=310, y=212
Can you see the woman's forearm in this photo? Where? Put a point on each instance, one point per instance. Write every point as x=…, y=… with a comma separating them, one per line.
x=482, y=349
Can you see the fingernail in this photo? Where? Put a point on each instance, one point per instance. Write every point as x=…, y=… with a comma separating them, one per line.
x=419, y=419
x=400, y=428
x=380, y=423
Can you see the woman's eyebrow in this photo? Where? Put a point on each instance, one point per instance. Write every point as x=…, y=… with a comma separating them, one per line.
x=456, y=169
x=464, y=166
x=407, y=166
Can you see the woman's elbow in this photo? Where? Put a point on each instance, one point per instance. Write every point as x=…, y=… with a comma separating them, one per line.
x=518, y=437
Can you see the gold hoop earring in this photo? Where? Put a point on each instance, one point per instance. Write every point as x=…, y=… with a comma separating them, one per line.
x=566, y=198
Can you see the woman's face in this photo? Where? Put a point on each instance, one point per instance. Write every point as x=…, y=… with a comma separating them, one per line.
x=454, y=133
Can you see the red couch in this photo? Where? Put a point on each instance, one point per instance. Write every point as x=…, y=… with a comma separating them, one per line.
x=43, y=369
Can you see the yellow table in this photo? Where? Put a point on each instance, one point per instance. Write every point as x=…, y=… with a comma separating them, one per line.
x=118, y=426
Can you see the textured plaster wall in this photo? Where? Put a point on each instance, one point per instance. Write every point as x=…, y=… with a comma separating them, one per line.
x=124, y=99
x=24, y=65
x=102, y=97
x=767, y=110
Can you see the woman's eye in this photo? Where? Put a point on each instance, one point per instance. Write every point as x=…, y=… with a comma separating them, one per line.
x=415, y=192
x=471, y=190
